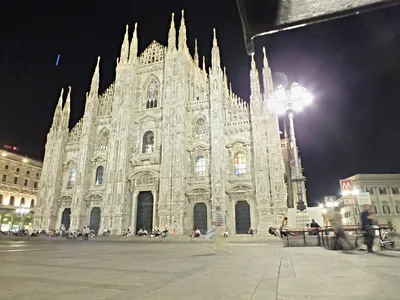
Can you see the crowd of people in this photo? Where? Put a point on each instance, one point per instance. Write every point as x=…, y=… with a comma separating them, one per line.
x=367, y=224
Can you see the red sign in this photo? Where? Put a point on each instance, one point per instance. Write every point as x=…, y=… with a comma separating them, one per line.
x=346, y=185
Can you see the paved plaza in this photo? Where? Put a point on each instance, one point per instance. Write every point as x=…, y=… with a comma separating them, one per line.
x=39, y=268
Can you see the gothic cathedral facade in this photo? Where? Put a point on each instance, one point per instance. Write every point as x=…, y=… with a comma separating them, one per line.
x=163, y=146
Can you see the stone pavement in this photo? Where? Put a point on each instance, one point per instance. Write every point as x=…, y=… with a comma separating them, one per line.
x=58, y=269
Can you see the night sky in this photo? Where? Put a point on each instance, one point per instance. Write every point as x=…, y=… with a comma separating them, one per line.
x=352, y=66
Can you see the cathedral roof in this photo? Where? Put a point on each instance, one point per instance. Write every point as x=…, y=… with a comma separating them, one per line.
x=153, y=54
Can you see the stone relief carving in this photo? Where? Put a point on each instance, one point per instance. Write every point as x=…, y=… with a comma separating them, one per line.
x=145, y=178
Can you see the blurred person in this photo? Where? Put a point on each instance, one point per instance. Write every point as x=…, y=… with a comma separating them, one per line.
x=338, y=229
x=367, y=227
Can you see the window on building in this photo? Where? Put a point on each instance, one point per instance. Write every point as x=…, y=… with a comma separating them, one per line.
x=22, y=202
x=1, y=199
x=200, y=169
x=17, y=170
x=32, y=203
x=375, y=209
x=103, y=139
x=382, y=191
x=148, y=142
x=200, y=129
x=11, y=202
x=37, y=174
x=152, y=93
x=4, y=178
x=385, y=207
x=395, y=190
x=370, y=190
x=6, y=167
x=71, y=178
x=99, y=175
x=398, y=207
x=35, y=185
x=26, y=182
x=28, y=172
x=15, y=180
x=239, y=163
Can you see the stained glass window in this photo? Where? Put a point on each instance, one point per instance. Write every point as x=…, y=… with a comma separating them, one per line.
x=103, y=140
x=200, y=167
x=71, y=178
x=148, y=142
x=99, y=175
x=200, y=129
x=152, y=93
x=240, y=163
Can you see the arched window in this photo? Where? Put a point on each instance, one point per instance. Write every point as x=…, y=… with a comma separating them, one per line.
x=99, y=175
x=32, y=202
x=148, y=142
x=200, y=169
x=1, y=199
x=71, y=178
x=11, y=202
x=385, y=207
x=239, y=163
x=22, y=202
x=397, y=206
x=200, y=129
x=103, y=139
x=152, y=92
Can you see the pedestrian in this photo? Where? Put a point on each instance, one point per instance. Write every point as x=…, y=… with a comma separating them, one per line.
x=367, y=227
x=174, y=227
x=219, y=241
x=338, y=229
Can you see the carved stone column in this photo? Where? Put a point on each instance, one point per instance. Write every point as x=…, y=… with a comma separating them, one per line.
x=135, y=195
x=155, y=205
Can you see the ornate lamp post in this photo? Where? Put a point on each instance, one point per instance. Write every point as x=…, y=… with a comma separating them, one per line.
x=291, y=101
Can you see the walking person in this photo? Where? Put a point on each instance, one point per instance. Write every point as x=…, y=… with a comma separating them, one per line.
x=338, y=229
x=367, y=227
x=219, y=240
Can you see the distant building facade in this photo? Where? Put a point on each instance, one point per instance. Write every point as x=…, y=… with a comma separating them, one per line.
x=19, y=183
x=164, y=145
x=384, y=191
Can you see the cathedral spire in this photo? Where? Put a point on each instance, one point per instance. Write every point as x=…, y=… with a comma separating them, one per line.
x=182, y=32
x=254, y=81
x=215, y=57
x=67, y=109
x=94, y=87
x=196, y=53
x=125, y=47
x=204, y=66
x=225, y=77
x=58, y=111
x=267, y=75
x=172, y=35
x=133, y=51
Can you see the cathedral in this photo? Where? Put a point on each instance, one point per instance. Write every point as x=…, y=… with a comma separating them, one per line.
x=163, y=146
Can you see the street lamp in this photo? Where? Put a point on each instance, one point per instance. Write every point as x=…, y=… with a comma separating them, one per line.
x=291, y=101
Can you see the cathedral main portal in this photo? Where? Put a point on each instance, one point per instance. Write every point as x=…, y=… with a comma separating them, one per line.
x=144, y=211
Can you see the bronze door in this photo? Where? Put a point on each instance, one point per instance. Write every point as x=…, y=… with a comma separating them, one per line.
x=200, y=217
x=242, y=216
x=144, y=212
